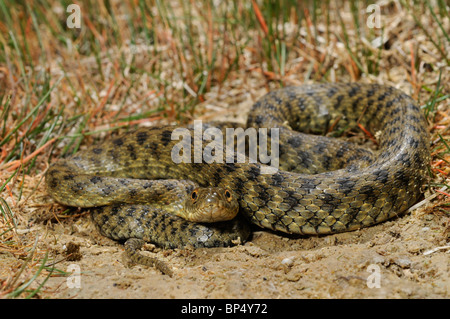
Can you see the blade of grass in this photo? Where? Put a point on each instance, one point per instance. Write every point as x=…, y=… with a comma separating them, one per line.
x=31, y=113
x=17, y=292
x=435, y=18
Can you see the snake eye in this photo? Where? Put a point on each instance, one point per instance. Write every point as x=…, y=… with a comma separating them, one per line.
x=194, y=195
x=228, y=195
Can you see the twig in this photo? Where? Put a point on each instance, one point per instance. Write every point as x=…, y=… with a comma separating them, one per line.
x=15, y=164
x=430, y=251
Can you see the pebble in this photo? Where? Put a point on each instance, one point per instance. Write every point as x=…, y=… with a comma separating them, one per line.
x=403, y=262
x=288, y=262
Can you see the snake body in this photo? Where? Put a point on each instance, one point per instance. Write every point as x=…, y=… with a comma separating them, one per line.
x=324, y=185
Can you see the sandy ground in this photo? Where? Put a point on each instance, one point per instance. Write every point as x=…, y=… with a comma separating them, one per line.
x=390, y=260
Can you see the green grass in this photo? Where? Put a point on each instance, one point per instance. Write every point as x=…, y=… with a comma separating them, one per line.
x=135, y=62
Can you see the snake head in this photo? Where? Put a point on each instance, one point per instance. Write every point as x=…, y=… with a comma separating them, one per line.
x=211, y=204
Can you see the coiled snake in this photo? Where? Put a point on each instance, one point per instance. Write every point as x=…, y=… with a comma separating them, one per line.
x=324, y=185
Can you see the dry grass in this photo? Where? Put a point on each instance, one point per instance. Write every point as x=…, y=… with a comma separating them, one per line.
x=140, y=63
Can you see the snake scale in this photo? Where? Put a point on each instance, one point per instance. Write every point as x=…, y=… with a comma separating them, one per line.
x=324, y=185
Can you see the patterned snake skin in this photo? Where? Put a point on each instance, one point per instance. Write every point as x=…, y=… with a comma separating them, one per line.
x=324, y=185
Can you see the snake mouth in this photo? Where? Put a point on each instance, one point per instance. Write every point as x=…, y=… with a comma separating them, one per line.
x=219, y=213
x=212, y=215
x=214, y=212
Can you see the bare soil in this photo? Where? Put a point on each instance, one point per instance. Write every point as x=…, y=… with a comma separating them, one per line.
x=391, y=260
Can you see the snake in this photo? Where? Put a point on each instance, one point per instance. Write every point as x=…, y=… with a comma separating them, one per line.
x=322, y=185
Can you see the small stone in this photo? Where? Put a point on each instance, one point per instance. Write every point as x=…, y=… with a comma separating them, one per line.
x=403, y=262
x=288, y=262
